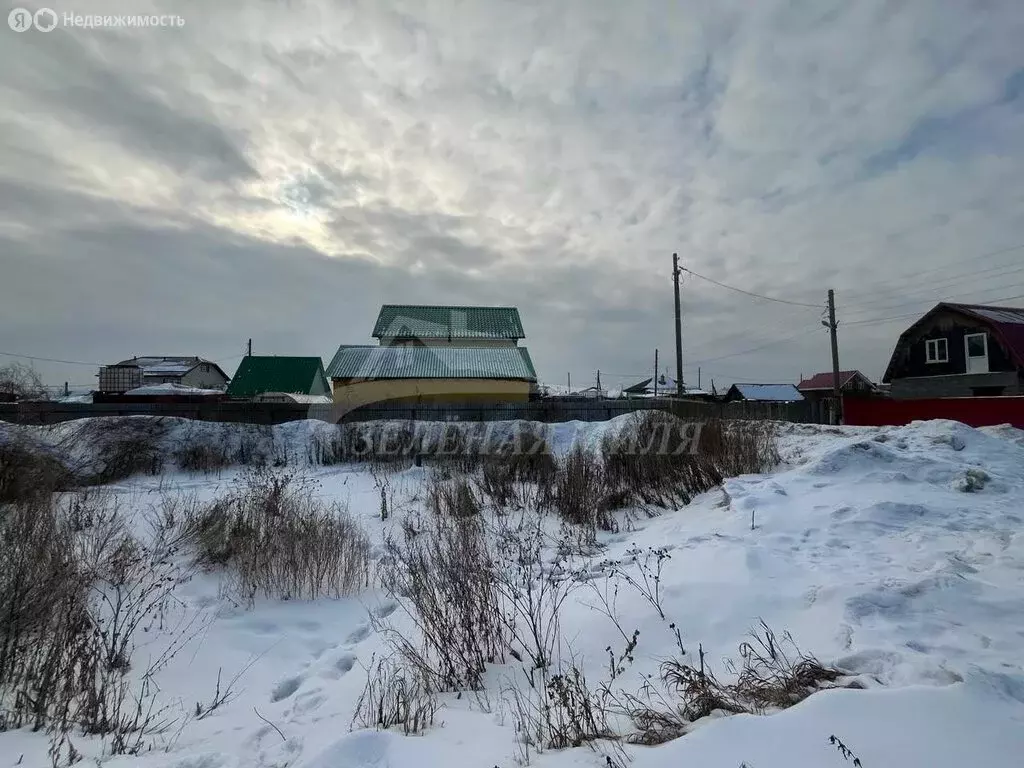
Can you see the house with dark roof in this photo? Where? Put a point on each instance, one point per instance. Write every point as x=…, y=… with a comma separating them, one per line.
x=819, y=386
x=183, y=371
x=959, y=350
x=432, y=354
x=280, y=379
x=763, y=393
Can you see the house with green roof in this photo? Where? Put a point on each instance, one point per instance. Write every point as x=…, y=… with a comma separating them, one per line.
x=431, y=354
x=452, y=326
x=266, y=377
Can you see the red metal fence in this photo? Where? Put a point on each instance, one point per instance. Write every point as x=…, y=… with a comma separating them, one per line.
x=974, y=411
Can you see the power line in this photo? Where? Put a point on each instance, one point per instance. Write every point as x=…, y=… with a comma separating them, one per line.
x=944, y=286
x=49, y=359
x=751, y=293
x=919, y=274
x=880, y=320
x=784, y=340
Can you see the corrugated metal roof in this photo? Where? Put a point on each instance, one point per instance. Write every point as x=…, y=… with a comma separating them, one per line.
x=258, y=374
x=782, y=393
x=408, y=320
x=173, y=360
x=362, y=362
x=824, y=380
x=995, y=314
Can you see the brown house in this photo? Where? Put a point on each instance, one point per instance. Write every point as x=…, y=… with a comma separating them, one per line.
x=819, y=386
x=960, y=350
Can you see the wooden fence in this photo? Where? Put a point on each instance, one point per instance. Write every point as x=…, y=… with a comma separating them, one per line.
x=550, y=411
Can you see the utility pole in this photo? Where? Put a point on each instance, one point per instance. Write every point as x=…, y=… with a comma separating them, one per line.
x=655, y=379
x=568, y=381
x=698, y=377
x=679, y=327
x=249, y=354
x=832, y=325
x=598, y=383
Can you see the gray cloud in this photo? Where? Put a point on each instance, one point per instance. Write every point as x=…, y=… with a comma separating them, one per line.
x=280, y=170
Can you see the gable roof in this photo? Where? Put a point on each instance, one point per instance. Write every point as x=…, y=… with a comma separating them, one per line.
x=259, y=374
x=779, y=393
x=174, y=365
x=448, y=321
x=363, y=362
x=666, y=384
x=1006, y=324
x=824, y=380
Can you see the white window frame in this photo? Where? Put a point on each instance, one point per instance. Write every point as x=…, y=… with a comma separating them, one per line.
x=931, y=350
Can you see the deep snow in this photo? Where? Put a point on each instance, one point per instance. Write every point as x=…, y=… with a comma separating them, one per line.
x=895, y=553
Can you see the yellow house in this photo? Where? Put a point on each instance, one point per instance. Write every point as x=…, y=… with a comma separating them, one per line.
x=436, y=354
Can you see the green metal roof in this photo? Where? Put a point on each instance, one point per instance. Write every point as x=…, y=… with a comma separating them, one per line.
x=361, y=362
x=295, y=375
x=407, y=320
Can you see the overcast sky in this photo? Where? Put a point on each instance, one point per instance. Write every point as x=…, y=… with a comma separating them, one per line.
x=278, y=170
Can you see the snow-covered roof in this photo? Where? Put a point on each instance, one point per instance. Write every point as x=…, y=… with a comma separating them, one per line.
x=170, y=388
x=779, y=393
x=293, y=397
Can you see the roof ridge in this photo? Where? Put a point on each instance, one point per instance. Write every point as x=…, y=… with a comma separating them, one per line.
x=982, y=306
x=453, y=306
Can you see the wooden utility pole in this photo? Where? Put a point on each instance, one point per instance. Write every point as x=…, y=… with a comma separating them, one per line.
x=832, y=325
x=249, y=353
x=599, y=383
x=568, y=381
x=655, y=374
x=679, y=327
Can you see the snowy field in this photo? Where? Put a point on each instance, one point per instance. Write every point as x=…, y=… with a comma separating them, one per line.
x=894, y=554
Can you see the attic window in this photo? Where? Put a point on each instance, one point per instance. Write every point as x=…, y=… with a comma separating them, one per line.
x=936, y=351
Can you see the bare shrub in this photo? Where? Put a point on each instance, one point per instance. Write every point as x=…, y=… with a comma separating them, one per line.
x=661, y=461
x=772, y=677
x=454, y=498
x=74, y=589
x=561, y=711
x=532, y=591
x=202, y=457
x=280, y=540
x=520, y=472
x=579, y=491
x=442, y=573
x=739, y=447
x=651, y=462
x=395, y=694
x=122, y=447
x=768, y=678
x=28, y=471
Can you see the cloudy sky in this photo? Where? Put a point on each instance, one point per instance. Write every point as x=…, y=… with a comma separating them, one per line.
x=277, y=170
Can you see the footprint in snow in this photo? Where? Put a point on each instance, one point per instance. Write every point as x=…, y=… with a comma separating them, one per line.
x=359, y=635
x=386, y=609
x=285, y=688
x=341, y=667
